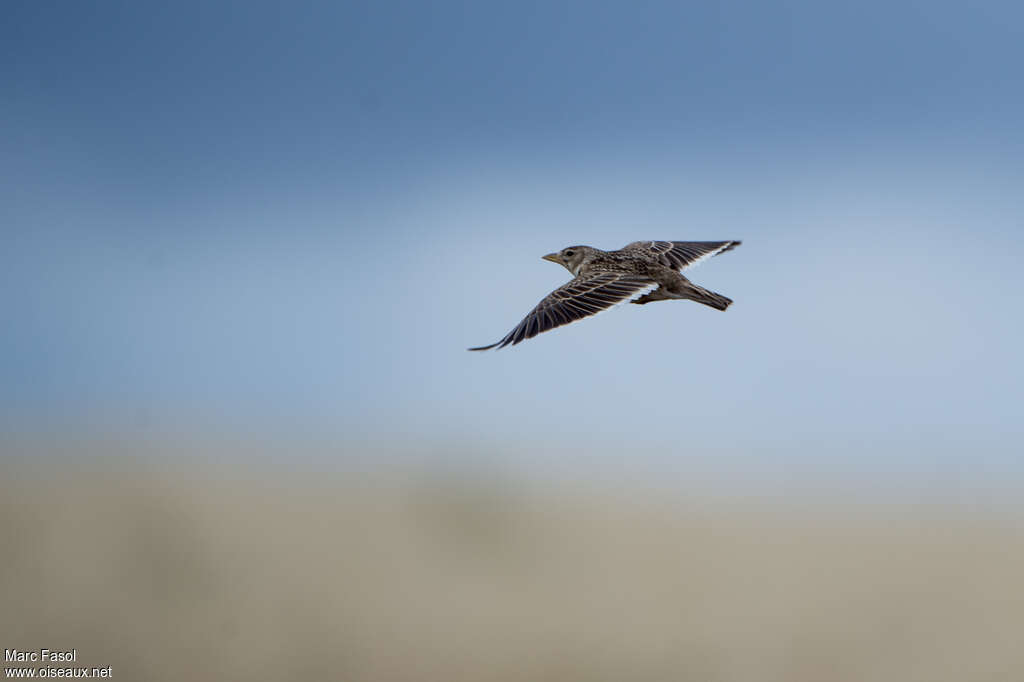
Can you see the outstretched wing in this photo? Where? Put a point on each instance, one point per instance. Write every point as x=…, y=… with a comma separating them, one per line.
x=680, y=255
x=581, y=297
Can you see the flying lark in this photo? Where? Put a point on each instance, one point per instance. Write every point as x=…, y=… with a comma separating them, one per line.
x=641, y=272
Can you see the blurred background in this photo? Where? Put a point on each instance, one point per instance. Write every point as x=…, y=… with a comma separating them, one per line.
x=244, y=249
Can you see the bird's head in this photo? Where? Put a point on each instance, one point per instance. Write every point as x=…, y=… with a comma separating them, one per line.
x=571, y=257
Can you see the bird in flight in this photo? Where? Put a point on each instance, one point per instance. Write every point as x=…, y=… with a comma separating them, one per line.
x=641, y=272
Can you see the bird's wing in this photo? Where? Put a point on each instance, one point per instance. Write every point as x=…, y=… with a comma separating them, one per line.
x=680, y=255
x=581, y=297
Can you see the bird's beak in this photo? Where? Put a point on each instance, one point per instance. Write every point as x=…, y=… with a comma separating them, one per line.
x=553, y=257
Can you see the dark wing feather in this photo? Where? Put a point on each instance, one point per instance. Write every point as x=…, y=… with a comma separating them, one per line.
x=680, y=255
x=581, y=297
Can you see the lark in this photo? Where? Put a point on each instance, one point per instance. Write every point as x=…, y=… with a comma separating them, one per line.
x=641, y=272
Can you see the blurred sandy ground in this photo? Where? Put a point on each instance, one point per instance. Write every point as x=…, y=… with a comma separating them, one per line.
x=243, y=573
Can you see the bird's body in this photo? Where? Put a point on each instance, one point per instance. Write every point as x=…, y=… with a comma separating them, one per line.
x=640, y=272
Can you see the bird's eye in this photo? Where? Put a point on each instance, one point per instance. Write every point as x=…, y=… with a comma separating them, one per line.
x=568, y=254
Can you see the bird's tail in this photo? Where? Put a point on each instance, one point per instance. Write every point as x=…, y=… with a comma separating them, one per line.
x=710, y=298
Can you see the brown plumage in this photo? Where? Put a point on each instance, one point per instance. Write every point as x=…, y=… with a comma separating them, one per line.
x=640, y=272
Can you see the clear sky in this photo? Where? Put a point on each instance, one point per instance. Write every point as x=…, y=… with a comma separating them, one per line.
x=256, y=217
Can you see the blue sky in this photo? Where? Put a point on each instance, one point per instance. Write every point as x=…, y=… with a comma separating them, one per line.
x=252, y=217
